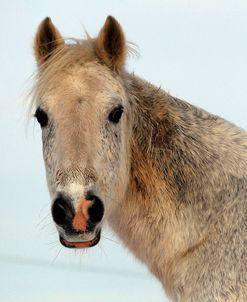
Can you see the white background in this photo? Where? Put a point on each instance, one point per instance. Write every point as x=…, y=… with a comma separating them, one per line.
x=196, y=50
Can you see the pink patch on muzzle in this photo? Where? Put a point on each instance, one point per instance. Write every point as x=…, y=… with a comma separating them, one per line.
x=79, y=222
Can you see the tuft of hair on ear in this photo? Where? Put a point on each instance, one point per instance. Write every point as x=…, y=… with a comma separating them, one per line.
x=46, y=41
x=111, y=46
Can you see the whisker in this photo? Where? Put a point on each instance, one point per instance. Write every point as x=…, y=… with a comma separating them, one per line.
x=110, y=239
x=42, y=209
x=53, y=232
x=54, y=259
x=52, y=242
x=80, y=259
x=43, y=219
x=52, y=247
x=103, y=250
x=45, y=226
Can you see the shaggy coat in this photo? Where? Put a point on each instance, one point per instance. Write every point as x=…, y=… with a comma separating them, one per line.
x=179, y=186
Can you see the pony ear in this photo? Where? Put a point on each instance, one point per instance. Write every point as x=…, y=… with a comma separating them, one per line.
x=47, y=39
x=111, y=45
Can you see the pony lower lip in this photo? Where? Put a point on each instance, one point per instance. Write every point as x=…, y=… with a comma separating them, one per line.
x=77, y=244
x=80, y=245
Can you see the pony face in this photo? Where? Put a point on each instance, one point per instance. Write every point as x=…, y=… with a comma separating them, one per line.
x=84, y=114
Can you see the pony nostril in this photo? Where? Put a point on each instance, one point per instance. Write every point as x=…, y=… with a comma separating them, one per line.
x=62, y=211
x=96, y=211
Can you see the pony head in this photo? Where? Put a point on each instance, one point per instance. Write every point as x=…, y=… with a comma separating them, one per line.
x=83, y=109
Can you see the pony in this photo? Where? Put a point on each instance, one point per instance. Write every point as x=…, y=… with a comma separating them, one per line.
x=168, y=177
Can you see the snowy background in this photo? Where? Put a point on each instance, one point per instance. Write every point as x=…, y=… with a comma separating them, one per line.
x=197, y=50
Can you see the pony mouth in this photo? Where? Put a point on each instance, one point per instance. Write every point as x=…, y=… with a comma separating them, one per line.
x=80, y=244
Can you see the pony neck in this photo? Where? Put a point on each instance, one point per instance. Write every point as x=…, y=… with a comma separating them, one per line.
x=146, y=219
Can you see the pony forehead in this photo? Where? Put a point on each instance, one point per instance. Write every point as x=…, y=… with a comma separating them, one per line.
x=75, y=71
x=64, y=60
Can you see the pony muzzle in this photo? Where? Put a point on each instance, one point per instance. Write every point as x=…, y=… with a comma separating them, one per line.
x=76, y=226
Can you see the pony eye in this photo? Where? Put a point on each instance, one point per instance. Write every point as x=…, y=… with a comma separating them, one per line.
x=116, y=114
x=41, y=117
